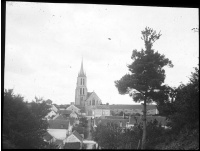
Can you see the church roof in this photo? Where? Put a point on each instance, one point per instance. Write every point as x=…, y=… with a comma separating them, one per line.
x=88, y=94
x=81, y=73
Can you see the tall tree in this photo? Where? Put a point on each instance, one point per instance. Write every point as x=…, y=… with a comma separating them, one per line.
x=23, y=124
x=147, y=75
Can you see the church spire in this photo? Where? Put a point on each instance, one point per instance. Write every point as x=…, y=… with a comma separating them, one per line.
x=81, y=73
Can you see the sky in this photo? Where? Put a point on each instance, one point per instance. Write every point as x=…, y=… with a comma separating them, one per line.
x=46, y=42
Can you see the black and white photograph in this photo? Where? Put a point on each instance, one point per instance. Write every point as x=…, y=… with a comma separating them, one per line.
x=100, y=76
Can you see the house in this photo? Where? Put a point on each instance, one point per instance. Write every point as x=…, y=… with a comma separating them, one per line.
x=100, y=110
x=50, y=115
x=72, y=145
x=74, y=137
x=135, y=120
x=73, y=108
x=59, y=143
x=133, y=109
x=57, y=126
x=48, y=138
x=66, y=114
x=120, y=122
x=53, y=108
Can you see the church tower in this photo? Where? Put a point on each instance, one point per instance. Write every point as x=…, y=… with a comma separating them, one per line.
x=81, y=87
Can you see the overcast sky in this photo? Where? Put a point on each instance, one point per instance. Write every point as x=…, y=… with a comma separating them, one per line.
x=46, y=42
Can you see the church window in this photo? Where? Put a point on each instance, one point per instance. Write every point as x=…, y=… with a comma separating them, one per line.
x=83, y=90
x=83, y=81
x=80, y=90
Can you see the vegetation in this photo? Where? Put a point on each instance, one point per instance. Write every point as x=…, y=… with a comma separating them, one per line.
x=82, y=127
x=180, y=105
x=111, y=136
x=183, y=114
x=147, y=74
x=23, y=124
x=83, y=121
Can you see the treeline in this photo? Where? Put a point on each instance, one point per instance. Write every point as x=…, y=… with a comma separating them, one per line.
x=23, y=123
x=182, y=112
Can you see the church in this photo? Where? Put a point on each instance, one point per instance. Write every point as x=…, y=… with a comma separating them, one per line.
x=89, y=100
x=91, y=104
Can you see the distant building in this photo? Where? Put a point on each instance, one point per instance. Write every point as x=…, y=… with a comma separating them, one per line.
x=133, y=109
x=89, y=103
x=83, y=98
x=75, y=137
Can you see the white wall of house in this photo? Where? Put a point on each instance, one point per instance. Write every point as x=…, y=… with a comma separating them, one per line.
x=50, y=114
x=74, y=115
x=100, y=112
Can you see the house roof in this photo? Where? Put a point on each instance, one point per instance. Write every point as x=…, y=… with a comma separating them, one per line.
x=75, y=133
x=58, y=142
x=74, y=145
x=130, y=107
x=137, y=119
x=58, y=124
x=64, y=111
x=63, y=106
x=82, y=108
x=60, y=117
x=47, y=136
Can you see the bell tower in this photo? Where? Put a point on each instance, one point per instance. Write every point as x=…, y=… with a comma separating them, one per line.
x=81, y=87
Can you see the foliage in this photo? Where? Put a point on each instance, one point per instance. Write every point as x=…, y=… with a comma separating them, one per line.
x=23, y=126
x=83, y=121
x=80, y=130
x=183, y=115
x=111, y=136
x=107, y=136
x=51, y=146
x=147, y=73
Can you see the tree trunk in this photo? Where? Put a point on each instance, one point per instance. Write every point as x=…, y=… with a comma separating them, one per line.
x=144, y=135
